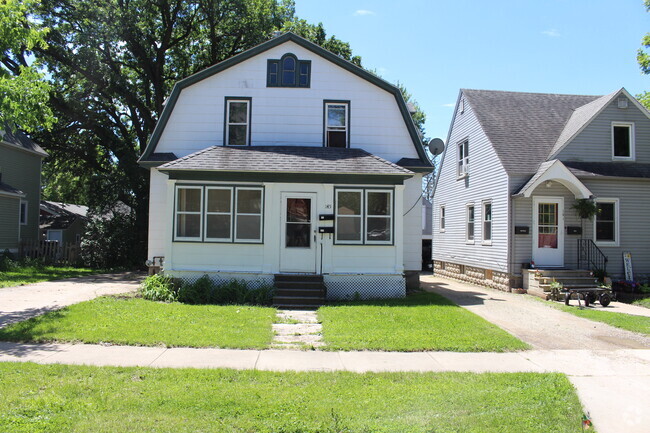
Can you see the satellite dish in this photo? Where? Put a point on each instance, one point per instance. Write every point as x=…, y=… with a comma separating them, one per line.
x=436, y=146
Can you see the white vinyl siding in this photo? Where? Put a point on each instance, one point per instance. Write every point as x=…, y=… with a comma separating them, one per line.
x=287, y=116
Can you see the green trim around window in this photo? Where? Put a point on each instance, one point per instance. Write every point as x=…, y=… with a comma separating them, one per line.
x=279, y=64
x=364, y=216
x=249, y=100
x=272, y=43
x=202, y=238
x=349, y=109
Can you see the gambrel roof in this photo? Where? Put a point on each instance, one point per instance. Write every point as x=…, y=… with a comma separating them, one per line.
x=147, y=159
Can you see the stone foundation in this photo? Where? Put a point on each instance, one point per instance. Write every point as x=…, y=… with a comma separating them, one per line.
x=474, y=275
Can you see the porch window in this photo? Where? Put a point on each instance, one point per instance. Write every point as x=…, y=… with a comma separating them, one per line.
x=364, y=216
x=470, y=224
x=336, y=124
x=487, y=222
x=189, y=213
x=623, y=141
x=606, y=222
x=248, y=215
x=348, y=216
x=237, y=127
x=379, y=218
x=218, y=214
x=463, y=158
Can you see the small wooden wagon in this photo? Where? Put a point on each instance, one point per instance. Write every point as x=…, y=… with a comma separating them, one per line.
x=602, y=294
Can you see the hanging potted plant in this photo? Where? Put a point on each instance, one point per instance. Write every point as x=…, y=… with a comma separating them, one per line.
x=586, y=209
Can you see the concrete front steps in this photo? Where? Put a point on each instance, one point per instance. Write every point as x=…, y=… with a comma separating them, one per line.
x=298, y=291
x=539, y=280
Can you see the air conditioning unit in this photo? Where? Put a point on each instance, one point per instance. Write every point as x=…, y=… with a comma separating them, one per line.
x=622, y=102
x=464, y=170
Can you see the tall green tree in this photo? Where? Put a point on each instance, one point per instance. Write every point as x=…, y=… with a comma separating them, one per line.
x=643, y=57
x=24, y=92
x=109, y=66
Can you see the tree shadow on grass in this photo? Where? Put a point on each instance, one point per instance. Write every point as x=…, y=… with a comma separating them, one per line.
x=22, y=325
x=414, y=299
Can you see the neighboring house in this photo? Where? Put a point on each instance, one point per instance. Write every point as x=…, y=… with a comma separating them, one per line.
x=63, y=222
x=427, y=228
x=286, y=159
x=20, y=187
x=513, y=167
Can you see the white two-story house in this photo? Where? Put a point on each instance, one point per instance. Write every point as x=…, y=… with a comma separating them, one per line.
x=287, y=159
x=514, y=166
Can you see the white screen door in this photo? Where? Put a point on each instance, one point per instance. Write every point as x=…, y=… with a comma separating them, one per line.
x=548, y=231
x=297, y=234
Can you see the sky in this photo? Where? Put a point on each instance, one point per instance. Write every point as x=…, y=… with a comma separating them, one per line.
x=437, y=47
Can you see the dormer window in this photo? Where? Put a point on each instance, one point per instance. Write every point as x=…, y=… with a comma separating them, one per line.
x=623, y=140
x=288, y=72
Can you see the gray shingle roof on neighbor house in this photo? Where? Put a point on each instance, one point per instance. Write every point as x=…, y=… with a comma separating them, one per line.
x=10, y=189
x=608, y=169
x=523, y=127
x=11, y=135
x=291, y=159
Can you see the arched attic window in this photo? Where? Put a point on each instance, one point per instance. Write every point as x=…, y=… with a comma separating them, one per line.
x=288, y=71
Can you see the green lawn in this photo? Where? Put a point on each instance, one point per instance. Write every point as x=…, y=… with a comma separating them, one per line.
x=642, y=302
x=63, y=398
x=424, y=321
x=134, y=321
x=628, y=322
x=28, y=275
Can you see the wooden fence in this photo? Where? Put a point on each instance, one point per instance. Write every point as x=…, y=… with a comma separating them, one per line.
x=50, y=251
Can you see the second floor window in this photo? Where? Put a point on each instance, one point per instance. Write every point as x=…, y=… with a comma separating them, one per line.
x=463, y=158
x=623, y=140
x=237, y=127
x=288, y=72
x=336, y=124
x=23, y=212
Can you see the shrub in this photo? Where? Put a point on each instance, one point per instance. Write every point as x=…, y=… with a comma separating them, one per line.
x=206, y=291
x=110, y=241
x=159, y=288
x=7, y=261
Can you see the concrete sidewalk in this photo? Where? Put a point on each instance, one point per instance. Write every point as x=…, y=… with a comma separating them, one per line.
x=612, y=385
x=22, y=302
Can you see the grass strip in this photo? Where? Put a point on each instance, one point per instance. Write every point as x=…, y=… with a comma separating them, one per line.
x=29, y=275
x=53, y=398
x=419, y=322
x=134, y=321
x=629, y=322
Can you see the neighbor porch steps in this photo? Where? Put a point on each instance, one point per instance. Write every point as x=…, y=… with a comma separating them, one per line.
x=539, y=280
x=298, y=291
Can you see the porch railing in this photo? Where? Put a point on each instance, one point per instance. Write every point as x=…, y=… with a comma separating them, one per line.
x=590, y=256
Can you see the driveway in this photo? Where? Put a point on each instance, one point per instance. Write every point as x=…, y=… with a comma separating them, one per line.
x=614, y=389
x=22, y=302
x=535, y=322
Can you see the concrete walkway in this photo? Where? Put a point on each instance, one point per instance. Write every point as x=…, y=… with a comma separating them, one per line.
x=22, y=302
x=536, y=322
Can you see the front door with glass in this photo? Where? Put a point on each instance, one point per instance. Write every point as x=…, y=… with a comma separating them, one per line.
x=297, y=237
x=548, y=231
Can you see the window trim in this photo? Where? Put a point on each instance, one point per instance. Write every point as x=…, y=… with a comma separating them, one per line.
x=207, y=213
x=391, y=216
x=617, y=225
x=226, y=130
x=630, y=126
x=328, y=102
x=176, y=213
x=465, y=159
x=469, y=241
x=280, y=74
x=360, y=216
x=236, y=213
x=485, y=241
x=442, y=216
x=204, y=213
x=23, y=221
x=364, y=215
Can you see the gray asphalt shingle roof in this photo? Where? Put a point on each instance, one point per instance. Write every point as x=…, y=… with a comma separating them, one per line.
x=11, y=135
x=10, y=189
x=294, y=159
x=523, y=127
x=609, y=169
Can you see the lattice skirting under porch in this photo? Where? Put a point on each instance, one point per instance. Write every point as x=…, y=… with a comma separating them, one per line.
x=474, y=275
x=364, y=286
